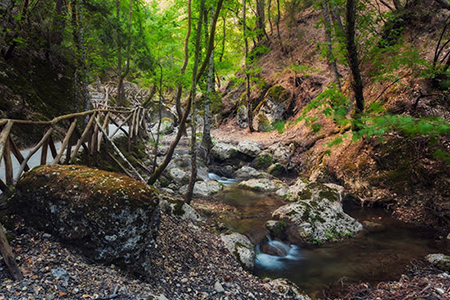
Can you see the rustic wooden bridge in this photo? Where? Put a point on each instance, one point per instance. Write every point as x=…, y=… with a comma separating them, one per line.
x=131, y=122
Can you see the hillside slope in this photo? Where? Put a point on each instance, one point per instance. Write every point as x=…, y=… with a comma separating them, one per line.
x=396, y=170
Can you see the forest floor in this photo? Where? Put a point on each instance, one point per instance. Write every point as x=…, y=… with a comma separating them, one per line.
x=190, y=262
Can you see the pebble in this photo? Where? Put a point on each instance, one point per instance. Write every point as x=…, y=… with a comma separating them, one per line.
x=218, y=287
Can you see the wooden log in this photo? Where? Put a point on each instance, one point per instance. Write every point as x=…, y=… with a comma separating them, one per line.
x=51, y=144
x=15, y=150
x=8, y=256
x=65, y=142
x=133, y=122
x=65, y=117
x=94, y=137
x=120, y=153
x=120, y=165
x=33, y=151
x=8, y=164
x=105, y=126
x=3, y=186
x=44, y=153
x=4, y=136
x=82, y=138
x=119, y=127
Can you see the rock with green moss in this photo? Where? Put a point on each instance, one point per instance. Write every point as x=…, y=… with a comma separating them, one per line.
x=262, y=184
x=223, y=151
x=242, y=116
x=440, y=261
x=110, y=217
x=276, y=169
x=317, y=221
x=166, y=127
x=249, y=148
x=178, y=208
x=263, y=160
x=304, y=190
x=271, y=109
x=241, y=248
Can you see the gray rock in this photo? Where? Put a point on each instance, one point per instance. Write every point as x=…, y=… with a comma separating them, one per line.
x=223, y=151
x=179, y=208
x=111, y=218
x=271, y=109
x=218, y=287
x=167, y=126
x=303, y=190
x=247, y=172
x=242, y=116
x=262, y=184
x=60, y=273
x=179, y=176
x=249, y=148
x=285, y=288
x=440, y=261
x=317, y=221
x=241, y=248
x=204, y=188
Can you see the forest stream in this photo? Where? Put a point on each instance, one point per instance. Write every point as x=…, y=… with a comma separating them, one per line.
x=380, y=253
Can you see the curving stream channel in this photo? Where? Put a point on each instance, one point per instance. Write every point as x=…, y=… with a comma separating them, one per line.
x=379, y=253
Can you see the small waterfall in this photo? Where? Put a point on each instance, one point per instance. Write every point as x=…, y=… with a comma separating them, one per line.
x=222, y=180
x=279, y=254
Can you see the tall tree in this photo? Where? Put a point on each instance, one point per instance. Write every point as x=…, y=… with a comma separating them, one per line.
x=352, y=54
x=206, y=137
x=193, y=178
x=328, y=39
x=122, y=71
x=248, y=103
x=182, y=125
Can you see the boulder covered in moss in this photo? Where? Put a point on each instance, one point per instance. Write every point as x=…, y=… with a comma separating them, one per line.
x=316, y=221
x=241, y=248
x=110, y=217
x=271, y=109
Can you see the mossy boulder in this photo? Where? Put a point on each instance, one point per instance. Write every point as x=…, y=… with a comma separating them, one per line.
x=271, y=109
x=241, y=248
x=304, y=190
x=110, y=217
x=316, y=221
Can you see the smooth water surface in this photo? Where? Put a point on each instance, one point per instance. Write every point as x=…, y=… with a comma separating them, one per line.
x=380, y=253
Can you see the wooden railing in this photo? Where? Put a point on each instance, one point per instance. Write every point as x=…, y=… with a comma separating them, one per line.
x=90, y=138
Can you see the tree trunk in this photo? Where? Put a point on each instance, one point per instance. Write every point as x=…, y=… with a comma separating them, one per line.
x=261, y=19
x=247, y=74
x=173, y=145
x=206, y=137
x=331, y=59
x=185, y=63
x=269, y=4
x=193, y=179
x=353, y=56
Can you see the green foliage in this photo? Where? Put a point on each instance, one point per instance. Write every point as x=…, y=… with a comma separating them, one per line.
x=279, y=126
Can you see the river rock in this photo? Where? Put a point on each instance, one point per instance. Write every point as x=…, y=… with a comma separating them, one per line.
x=110, y=217
x=204, y=188
x=223, y=151
x=179, y=208
x=247, y=172
x=167, y=127
x=179, y=176
x=440, y=261
x=316, y=221
x=249, y=148
x=262, y=184
x=241, y=248
x=304, y=190
x=286, y=289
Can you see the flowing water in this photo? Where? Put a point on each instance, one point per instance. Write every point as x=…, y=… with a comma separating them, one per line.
x=379, y=254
